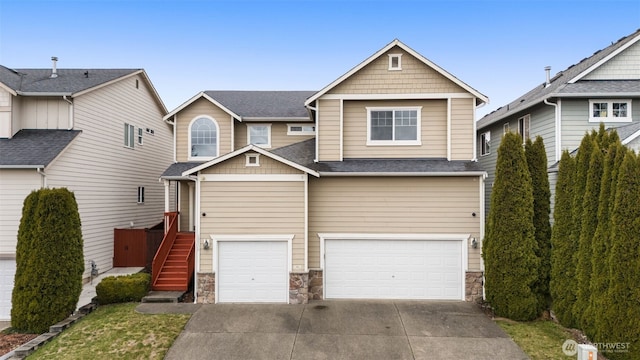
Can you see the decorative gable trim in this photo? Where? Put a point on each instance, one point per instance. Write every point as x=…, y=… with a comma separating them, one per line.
x=245, y=149
x=381, y=52
x=604, y=60
x=196, y=97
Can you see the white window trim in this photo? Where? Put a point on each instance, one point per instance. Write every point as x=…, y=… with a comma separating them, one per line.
x=610, y=118
x=302, y=132
x=526, y=121
x=139, y=138
x=393, y=56
x=140, y=194
x=418, y=141
x=205, y=158
x=248, y=158
x=485, y=138
x=129, y=140
x=264, y=146
x=505, y=128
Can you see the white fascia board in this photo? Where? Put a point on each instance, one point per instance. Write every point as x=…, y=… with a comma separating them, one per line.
x=604, y=60
x=35, y=93
x=205, y=96
x=598, y=95
x=277, y=119
x=412, y=174
x=252, y=177
x=21, y=166
x=409, y=96
x=380, y=52
x=631, y=137
x=8, y=89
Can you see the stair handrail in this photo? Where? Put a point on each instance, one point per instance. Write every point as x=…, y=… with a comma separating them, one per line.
x=171, y=230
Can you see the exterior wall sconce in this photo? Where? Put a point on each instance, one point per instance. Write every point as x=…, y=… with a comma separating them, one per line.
x=206, y=244
x=474, y=243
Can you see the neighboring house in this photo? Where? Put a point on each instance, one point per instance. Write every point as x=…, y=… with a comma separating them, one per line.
x=366, y=189
x=604, y=87
x=98, y=132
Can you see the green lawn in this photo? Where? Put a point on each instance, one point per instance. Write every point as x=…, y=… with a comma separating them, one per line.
x=116, y=332
x=540, y=339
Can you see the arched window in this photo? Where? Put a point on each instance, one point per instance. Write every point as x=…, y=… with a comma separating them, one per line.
x=203, y=138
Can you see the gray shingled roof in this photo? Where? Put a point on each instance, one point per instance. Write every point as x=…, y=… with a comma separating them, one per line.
x=303, y=153
x=68, y=81
x=584, y=87
x=559, y=84
x=34, y=148
x=175, y=170
x=264, y=104
x=624, y=131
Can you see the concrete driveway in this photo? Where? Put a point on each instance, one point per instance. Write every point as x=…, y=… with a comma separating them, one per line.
x=343, y=330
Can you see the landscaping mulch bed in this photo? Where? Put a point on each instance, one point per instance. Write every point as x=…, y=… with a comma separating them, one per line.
x=12, y=341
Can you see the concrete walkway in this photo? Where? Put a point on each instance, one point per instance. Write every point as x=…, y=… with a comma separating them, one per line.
x=341, y=330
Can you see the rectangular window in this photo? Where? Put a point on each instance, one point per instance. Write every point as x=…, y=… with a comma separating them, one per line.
x=140, y=194
x=395, y=61
x=524, y=125
x=610, y=111
x=397, y=126
x=259, y=135
x=505, y=128
x=485, y=143
x=129, y=135
x=301, y=129
x=140, y=132
x=252, y=160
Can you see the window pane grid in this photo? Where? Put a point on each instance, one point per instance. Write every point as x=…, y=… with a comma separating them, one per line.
x=394, y=125
x=204, y=138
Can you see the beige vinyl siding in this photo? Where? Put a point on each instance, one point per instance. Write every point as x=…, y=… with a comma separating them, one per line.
x=198, y=108
x=434, y=205
x=415, y=77
x=433, y=131
x=279, y=137
x=184, y=206
x=105, y=175
x=45, y=113
x=328, y=130
x=623, y=66
x=256, y=208
x=15, y=185
x=462, y=133
x=237, y=165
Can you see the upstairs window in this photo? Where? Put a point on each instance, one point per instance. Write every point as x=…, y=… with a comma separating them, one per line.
x=610, y=111
x=140, y=194
x=203, y=138
x=395, y=61
x=397, y=126
x=505, y=128
x=259, y=135
x=524, y=126
x=140, y=132
x=485, y=143
x=129, y=135
x=301, y=129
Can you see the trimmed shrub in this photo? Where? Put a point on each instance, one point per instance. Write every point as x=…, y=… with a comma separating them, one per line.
x=49, y=257
x=562, y=246
x=622, y=303
x=118, y=289
x=509, y=249
x=537, y=163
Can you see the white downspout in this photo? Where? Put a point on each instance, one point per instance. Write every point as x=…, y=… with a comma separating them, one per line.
x=43, y=182
x=64, y=97
x=558, y=131
x=197, y=240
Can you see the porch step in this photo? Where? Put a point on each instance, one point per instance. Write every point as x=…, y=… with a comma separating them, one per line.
x=163, y=297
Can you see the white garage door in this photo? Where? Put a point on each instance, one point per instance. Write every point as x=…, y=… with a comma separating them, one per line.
x=394, y=269
x=252, y=271
x=7, y=272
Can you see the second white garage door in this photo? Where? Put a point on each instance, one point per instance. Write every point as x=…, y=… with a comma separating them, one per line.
x=252, y=271
x=394, y=269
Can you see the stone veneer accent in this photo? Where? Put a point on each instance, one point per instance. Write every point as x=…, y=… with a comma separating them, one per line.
x=298, y=288
x=315, y=285
x=206, y=288
x=473, y=286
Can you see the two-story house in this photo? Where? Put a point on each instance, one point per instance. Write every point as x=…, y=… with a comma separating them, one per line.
x=602, y=88
x=366, y=189
x=97, y=132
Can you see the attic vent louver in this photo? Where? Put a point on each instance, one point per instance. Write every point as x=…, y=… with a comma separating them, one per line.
x=54, y=71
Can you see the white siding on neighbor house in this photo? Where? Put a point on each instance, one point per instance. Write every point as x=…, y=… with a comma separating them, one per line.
x=623, y=66
x=575, y=121
x=15, y=185
x=105, y=175
x=45, y=113
x=5, y=114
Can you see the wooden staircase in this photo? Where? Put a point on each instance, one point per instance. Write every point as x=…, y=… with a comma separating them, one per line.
x=173, y=264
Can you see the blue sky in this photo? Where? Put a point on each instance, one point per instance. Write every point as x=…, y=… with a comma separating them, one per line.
x=498, y=47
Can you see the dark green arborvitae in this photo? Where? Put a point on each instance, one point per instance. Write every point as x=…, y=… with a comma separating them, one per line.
x=601, y=246
x=562, y=246
x=509, y=249
x=622, y=306
x=49, y=256
x=590, y=218
x=537, y=163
